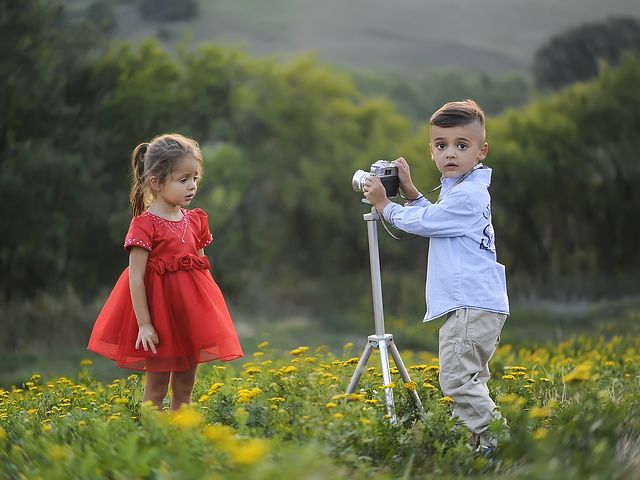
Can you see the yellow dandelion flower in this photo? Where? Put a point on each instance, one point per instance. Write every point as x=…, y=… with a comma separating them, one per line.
x=581, y=373
x=540, y=412
x=389, y=385
x=411, y=386
x=540, y=434
x=32, y=411
x=355, y=397
x=121, y=401
x=86, y=363
x=429, y=386
x=330, y=405
x=253, y=370
x=338, y=416
x=249, y=452
x=258, y=354
x=508, y=377
x=351, y=361
x=264, y=344
x=511, y=399
x=447, y=400
x=186, y=418
x=218, y=433
x=365, y=421
x=203, y=398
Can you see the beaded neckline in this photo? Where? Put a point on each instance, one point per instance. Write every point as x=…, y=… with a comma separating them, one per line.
x=182, y=210
x=178, y=227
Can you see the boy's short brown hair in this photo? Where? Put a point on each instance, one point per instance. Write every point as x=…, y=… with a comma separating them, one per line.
x=454, y=114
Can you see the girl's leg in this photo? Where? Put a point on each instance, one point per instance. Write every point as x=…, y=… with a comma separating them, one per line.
x=155, y=388
x=182, y=387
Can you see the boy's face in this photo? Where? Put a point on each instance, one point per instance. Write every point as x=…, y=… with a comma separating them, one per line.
x=456, y=150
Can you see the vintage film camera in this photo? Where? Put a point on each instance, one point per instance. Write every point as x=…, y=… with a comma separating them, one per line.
x=382, y=169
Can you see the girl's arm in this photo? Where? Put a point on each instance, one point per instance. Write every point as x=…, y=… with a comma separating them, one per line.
x=147, y=335
x=200, y=252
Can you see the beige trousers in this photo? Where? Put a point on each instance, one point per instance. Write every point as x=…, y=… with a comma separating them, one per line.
x=468, y=339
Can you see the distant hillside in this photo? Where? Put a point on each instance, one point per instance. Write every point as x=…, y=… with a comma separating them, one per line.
x=411, y=36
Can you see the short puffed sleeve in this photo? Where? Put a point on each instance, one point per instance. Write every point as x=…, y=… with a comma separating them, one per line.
x=203, y=233
x=140, y=233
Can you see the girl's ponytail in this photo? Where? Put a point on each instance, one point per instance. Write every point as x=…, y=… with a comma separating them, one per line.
x=136, y=196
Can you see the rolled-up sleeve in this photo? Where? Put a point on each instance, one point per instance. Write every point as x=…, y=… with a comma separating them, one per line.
x=449, y=218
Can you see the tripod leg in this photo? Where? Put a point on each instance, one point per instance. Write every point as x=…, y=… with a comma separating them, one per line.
x=386, y=376
x=404, y=373
x=360, y=368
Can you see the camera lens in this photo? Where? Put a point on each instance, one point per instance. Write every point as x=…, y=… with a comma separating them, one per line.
x=357, y=182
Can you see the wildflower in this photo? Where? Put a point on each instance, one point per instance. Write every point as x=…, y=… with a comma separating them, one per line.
x=347, y=346
x=330, y=405
x=545, y=380
x=86, y=363
x=186, y=418
x=263, y=344
x=540, y=434
x=288, y=369
x=246, y=394
x=203, y=398
x=299, y=350
x=365, y=421
x=351, y=361
x=389, y=385
x=371, y=401
x=411, y=386
x=428, y=385
x=218, y=433
x=338, y=416
x=253, y=370
x=511, y=399
x=213, y=389
x=355, y=397
x=540, y=412
x=3, y=434
x=446, y=400
x=277, y=399
x=121, y=401
x=508, y=377
x=249, y=452
x=580, y=373
x=32, y=411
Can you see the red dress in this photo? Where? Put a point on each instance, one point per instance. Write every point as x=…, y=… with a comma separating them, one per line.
x=186, y=306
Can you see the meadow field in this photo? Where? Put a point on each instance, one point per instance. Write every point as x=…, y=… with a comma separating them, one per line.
x=572, y=409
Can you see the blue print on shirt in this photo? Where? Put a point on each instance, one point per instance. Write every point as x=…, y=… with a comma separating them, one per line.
x=487, y=243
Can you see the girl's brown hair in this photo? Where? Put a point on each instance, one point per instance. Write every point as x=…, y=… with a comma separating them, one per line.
x=158, y=158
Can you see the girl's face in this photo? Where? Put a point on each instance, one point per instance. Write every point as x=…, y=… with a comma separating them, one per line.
x=179, y=188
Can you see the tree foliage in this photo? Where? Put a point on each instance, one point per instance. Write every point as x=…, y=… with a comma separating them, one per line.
x=576, y=55
x=281, y=142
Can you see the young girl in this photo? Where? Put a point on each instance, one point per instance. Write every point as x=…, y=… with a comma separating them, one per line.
x=166, y=314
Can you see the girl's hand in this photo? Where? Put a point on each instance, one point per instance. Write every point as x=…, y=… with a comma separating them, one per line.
x=404, y=177
x=375, y=193
x=148, y=337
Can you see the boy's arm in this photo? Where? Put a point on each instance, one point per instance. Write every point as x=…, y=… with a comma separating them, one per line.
x=449, y=218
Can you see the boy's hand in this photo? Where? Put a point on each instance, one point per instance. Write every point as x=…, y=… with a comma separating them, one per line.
x=404, y=177
x=148, y=337
x=375, y=193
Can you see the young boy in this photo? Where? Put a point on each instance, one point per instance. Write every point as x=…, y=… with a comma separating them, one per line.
x=464, y=280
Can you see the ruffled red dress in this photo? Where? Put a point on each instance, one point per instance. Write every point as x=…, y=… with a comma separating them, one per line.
x=186, y=306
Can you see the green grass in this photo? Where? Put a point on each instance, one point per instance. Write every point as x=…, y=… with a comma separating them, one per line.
x=530, y=324
x=494, y=36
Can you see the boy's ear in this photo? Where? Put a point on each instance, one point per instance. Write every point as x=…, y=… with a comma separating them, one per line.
x=484, y=150
x=431, y=151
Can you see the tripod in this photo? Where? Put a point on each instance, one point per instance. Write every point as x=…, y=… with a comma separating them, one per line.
x=381, y=340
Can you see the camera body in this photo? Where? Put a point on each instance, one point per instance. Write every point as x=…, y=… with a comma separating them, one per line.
x=385, y=171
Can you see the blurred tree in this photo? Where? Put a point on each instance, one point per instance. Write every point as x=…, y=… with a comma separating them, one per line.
x=565, y=185
x=576, y=54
